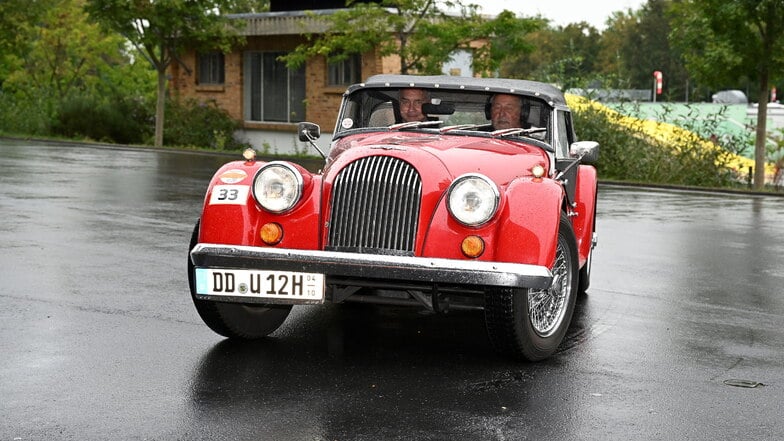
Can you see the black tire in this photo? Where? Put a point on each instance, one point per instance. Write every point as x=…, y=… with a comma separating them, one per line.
x=516, y=330
x=235, y=320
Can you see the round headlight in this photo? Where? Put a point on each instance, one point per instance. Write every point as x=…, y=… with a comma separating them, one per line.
x=277, y=187
x=473, y=199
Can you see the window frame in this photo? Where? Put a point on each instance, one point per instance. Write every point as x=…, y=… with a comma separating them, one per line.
x=345, y=72
x=254, y=91
x=211, y=68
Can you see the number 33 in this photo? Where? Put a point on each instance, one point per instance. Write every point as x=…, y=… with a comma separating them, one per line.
x=225, y=194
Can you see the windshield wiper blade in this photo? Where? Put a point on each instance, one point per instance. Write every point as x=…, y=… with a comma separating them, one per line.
x=414, y=125
x=464, y=127
x=518, y=131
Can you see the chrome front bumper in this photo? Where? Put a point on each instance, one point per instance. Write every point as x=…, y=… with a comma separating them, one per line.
x=374, y=267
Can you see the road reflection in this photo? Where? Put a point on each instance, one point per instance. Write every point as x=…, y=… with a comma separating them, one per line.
x=338, y=368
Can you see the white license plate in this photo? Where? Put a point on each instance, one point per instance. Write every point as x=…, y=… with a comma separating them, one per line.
x=279, y=285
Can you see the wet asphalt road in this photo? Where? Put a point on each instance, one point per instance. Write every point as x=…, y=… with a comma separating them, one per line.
x=99, y=339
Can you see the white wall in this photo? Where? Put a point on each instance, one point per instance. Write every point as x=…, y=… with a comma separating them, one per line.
x=282, y=143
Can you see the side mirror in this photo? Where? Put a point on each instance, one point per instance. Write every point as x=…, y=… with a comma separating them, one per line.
x=587, y=151
x=308, y=132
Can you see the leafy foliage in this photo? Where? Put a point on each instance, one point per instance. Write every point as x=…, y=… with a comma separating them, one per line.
x=161, y=30
x=566, y=56
x=638, y=150
x=422, y=34
x=118, y=120
x=64, y=53
x=245, y=6
x=69, y=63
x=724, y=41
x=25, y=116
x=635, y=44
x=200, y=124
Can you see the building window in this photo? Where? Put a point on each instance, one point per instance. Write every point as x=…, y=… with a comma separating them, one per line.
x=211, y=68
x=343, y=73
x=273, y=92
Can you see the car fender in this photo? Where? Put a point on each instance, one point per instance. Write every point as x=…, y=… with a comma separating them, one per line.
x=528, y=230
x=524, y=230
x=239, y=222
x=584, y=224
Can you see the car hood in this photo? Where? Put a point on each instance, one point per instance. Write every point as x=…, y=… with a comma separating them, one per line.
x=500, y=159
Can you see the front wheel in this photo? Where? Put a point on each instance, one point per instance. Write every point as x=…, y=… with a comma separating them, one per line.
x=529, y=324
x=235, y=320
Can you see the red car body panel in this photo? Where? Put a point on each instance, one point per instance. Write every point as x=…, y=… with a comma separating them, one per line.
x=240, y=224
x=585, y=222
x=523, y=231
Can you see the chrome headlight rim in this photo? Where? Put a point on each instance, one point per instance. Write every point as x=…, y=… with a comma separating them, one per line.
x=292, y=194
x=491, y=193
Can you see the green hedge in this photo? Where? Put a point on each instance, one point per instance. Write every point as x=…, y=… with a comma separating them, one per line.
x=627, y=153
x=199, y=124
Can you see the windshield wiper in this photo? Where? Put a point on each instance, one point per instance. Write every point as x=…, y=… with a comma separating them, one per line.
x=414, y=125
x=464, y=127
x=518, y=131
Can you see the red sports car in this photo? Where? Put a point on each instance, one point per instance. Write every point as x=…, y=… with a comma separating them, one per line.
x=465, y=207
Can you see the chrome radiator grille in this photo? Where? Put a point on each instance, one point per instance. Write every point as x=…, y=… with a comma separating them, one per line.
x=375, y=207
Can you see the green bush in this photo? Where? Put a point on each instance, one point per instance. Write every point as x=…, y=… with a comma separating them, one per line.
x=25, y=116
x=119, y=120
x=199, y=124
x=629, y=154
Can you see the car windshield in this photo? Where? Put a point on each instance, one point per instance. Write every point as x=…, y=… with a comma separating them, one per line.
x=446, y=111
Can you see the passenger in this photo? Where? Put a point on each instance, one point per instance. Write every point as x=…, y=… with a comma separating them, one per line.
x=411, y=101
x=506, y=111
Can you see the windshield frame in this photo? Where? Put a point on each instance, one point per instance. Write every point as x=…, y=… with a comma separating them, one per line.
x=470, y=98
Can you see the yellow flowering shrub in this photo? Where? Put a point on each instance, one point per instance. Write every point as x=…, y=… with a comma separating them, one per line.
x=665, y=135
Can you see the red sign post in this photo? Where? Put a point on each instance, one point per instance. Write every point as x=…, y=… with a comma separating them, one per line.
x=657, y=84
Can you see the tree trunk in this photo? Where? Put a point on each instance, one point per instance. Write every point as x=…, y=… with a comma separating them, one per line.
x=760, y=155
x=160, y=106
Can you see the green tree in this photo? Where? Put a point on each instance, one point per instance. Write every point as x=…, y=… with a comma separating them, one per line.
x=51, y=53
x=17, y=22
x=564, y=55
x=64, y=53
x=422, y=33
x=613, y=52
x=724, y=42
x=161, y=30
x=635, y=44
x=656, y=53
x=246, y=6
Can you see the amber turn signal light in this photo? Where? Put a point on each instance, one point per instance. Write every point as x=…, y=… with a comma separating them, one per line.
x=472, y=246
x=271, y=233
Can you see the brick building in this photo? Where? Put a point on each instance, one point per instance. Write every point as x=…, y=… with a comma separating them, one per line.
x=270, y=99
x=257, y=89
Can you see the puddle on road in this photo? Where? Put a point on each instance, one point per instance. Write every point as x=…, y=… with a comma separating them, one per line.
x=502, y=380
x=750, y=384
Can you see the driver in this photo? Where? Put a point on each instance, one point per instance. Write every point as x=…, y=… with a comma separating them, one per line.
x=505, y=111
x=411, y=101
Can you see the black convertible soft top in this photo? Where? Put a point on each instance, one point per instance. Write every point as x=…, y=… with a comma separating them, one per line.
x=544, y=91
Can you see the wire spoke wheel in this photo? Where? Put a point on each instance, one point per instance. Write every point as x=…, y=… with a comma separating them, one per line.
x=529, y=324
x=546, y=307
